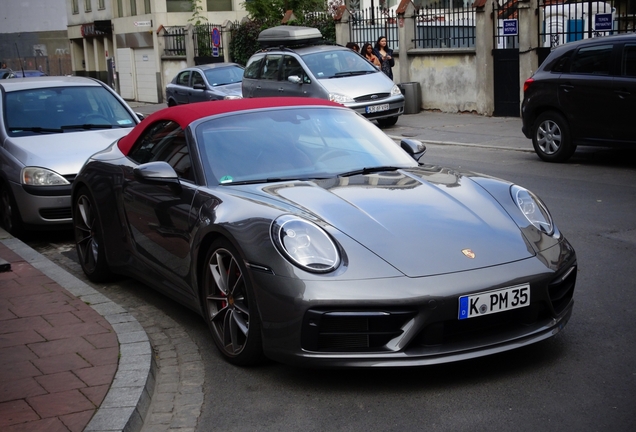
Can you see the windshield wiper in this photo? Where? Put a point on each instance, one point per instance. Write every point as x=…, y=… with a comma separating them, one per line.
x=369, y=170
x=273, y=180
x=352, y=73
x=36, y=129
x=88, y=126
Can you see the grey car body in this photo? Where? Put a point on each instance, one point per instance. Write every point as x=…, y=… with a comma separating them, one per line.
x=327, y=72
x=298, y=229
x=209, y=82
x=49, y=126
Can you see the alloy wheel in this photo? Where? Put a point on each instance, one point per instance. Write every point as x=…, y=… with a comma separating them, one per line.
x=85, y=238
x=549, y=137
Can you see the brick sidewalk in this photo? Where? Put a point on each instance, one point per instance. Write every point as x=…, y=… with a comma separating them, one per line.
x=58, y=356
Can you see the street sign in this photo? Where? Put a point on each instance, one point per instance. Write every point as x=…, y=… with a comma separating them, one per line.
x=215, y=51
x=143, y=23
x=510, y=27
x=603, y=22
x=216, y=37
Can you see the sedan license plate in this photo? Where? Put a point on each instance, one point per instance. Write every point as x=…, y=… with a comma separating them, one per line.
x=489, y=302
x=377, y=108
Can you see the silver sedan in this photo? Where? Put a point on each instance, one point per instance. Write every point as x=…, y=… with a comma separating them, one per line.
x=209, y=82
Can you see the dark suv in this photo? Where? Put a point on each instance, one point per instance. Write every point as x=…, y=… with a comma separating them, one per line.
x=584, y=93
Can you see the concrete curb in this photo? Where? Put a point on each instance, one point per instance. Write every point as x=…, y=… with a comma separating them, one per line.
x=126, y=403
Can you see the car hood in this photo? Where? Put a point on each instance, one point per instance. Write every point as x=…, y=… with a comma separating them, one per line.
x=64, y=153
x=421, y=222
x=359, y=85
x=233, y=89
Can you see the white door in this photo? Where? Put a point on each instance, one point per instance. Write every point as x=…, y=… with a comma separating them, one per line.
x=146, y=75
x=126, y=78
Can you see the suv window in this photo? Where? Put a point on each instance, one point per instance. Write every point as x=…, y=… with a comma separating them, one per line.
x=291, y=66
x=271, y=66
x=594, y=60
x=164, y=141
x=629, y=61
x=253, y=66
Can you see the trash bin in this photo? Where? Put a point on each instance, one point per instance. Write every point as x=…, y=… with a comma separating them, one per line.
x=412, y=97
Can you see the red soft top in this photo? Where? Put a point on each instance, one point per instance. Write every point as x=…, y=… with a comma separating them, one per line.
x=186, y=114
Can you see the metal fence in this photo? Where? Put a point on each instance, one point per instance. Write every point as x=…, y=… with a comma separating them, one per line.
x=205, y=44
x=174, y=41
x=560, y=23
x=369, y=24
x=445, y=24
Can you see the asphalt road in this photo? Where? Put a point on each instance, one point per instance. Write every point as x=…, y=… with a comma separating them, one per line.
x=583, y=379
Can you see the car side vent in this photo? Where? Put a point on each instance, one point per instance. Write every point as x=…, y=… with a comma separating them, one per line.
x=562, y=288
x=347, y=331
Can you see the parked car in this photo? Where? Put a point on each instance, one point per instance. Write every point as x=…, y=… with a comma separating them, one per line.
x=300, y=231
x=29, y=73
x=296, y=62
x=584, y=93
x=49, y=126
x=209, y=82
x=6, y=73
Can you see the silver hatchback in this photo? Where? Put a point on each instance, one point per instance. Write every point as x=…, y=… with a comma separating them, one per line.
x=308, y=68
x=49, y=126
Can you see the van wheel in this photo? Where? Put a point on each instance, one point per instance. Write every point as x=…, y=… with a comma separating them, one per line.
x=551, y=137
x=387, y=122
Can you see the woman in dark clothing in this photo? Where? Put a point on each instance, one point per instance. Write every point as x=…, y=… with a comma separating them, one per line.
x=385, y=55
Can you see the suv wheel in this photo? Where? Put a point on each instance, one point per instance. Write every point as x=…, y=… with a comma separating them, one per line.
x=551, y=137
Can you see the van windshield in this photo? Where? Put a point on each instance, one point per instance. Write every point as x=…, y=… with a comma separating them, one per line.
x=335, y=64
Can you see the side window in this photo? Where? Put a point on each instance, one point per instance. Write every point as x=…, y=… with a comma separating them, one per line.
x=629, y=61
x=197, y=78
x=271, y=66
x=183, y=78
x=291, y=66
x=252, y=67
x=164, y=141
x=595, y=60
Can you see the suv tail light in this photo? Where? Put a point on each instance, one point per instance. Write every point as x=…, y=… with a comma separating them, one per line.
x=526, y=85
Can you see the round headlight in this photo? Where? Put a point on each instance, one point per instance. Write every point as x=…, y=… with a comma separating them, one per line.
x=533, y=209
x=305, y=244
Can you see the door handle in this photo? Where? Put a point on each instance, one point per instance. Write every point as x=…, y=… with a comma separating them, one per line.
x=566, y=87
x=623, y=94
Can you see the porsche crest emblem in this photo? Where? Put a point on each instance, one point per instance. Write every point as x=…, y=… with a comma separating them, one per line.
x=468, y=253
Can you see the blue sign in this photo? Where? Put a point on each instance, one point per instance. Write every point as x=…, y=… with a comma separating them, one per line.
x=510, y=27
x=603, y=22
x=215, y=51
x=216, y=37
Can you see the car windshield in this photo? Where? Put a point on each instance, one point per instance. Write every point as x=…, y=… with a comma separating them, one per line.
x=294, y=143
x=63, y=109
x=335, y=64
x=225, y=75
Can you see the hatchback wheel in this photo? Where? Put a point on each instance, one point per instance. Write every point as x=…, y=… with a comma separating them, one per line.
x=229, y=306
x=551, y=137
x=9, y=213
x=88, y=238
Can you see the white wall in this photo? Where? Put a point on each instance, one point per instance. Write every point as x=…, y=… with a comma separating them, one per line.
x=21, y=16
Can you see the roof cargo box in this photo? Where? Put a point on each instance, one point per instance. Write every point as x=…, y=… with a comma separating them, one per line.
x=289, y=35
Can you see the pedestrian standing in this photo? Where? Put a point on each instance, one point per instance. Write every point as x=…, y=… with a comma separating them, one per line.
x=367, y=52
x=385, y=55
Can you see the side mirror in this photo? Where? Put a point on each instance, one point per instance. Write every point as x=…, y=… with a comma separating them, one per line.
x=294, y=79
x=413, y=147
x=158, y=173
x=140, y=116
x=199, y=86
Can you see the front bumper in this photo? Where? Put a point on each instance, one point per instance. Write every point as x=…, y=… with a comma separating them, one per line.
x=43, y=209
x=409, y=321
x=396, y=107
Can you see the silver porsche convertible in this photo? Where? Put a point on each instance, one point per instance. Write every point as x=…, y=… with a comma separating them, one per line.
x=302, y=233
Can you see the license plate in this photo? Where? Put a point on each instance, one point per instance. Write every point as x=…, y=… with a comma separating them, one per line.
x=377, y=108
x=490, y=302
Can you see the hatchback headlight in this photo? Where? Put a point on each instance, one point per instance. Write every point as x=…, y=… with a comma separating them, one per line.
x=305, y=244
x=533, y=209
x=230, y=97
x=36, y=176
x=395, y=90
x=340, y=98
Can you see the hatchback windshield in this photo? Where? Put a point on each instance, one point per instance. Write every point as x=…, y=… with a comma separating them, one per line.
x=63, y=109
x=300, y=143
x=334, y=64
x=222, y=76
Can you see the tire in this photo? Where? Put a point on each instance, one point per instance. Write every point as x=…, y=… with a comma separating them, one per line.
x=9, y=213
x=89, y=238
x=551, y=137
x=229, y=306
x=387, y=122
